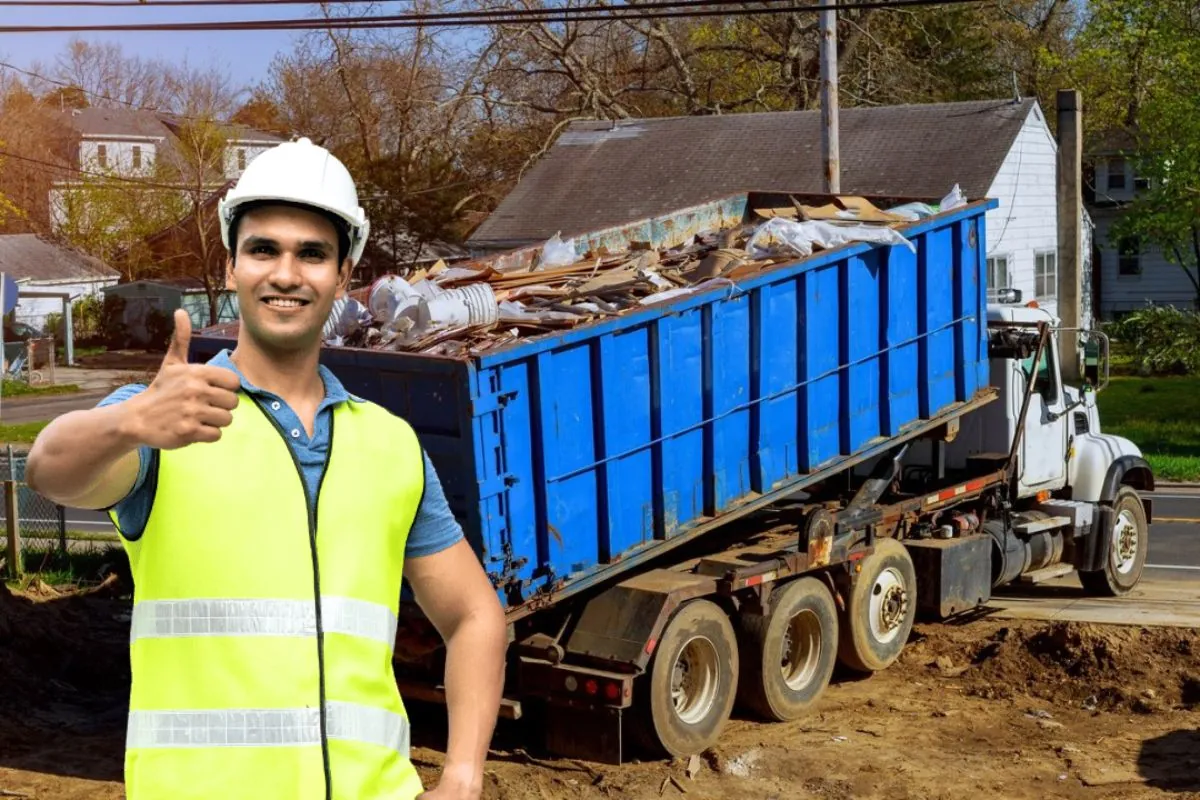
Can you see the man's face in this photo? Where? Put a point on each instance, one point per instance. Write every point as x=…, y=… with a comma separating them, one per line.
x=286, y=276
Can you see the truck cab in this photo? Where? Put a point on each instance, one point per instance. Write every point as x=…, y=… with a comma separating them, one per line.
x=1062, y=465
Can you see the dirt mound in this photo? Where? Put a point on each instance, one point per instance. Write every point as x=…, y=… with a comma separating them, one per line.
x=54, y=645
x=1103, y=669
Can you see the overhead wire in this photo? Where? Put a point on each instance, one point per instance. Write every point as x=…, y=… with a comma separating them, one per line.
x=666, y=9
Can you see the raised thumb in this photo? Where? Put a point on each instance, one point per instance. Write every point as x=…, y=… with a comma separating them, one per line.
x=177, y=351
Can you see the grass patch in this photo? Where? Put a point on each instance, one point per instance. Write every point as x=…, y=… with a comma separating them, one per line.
x=75, y=569
x=22, y=389
x=1162, y=417
x=21, y=433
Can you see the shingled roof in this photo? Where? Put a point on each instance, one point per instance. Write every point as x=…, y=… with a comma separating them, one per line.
x=600, y=174
x=27, y=256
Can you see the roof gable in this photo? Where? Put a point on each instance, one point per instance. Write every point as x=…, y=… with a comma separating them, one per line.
x=601, y=174
x=118, y=122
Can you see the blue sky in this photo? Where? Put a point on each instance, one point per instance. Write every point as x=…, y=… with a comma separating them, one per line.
x=244, y=55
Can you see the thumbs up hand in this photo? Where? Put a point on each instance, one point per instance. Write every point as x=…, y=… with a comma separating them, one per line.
x=186, y=403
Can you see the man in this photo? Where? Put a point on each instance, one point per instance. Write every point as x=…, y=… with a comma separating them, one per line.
x=269, y=516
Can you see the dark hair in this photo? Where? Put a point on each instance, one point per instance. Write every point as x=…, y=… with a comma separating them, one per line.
x=340, y=225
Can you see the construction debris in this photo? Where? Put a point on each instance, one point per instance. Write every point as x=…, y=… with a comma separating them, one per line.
x=479, y=306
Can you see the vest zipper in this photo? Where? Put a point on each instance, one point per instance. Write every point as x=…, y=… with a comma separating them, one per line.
x=311, y=504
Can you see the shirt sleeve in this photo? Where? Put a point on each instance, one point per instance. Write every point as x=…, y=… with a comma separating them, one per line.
x=133, y=510
x=435, y=527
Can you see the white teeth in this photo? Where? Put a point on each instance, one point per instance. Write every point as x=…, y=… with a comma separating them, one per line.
x=283, y=302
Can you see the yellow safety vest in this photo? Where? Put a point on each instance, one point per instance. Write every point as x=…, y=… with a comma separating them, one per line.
x=262, y=640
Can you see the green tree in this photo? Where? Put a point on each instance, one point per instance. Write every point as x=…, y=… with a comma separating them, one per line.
x=1143, y=57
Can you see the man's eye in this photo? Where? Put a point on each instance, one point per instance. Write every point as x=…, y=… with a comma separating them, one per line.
x=316, y=255
x=262, y=249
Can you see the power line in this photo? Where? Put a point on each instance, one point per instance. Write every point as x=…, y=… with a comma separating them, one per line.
x=636, y=11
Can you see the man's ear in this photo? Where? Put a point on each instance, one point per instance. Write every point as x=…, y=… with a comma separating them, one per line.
x=230, y=283
x=343, y=284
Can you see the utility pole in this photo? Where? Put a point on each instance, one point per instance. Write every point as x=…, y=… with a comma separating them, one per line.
x=1070, y=231
x=829, y=101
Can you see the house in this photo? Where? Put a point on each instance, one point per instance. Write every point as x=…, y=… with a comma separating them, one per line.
x=1127, y=273
x=39, y=264
x=165, y=295
x=133, y=144
x=599, y=174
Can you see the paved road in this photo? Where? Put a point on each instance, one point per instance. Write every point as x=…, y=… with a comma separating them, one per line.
x=14, y=411
x=1175, y=536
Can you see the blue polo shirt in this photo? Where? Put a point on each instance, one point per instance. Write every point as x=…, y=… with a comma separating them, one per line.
x=433, y=530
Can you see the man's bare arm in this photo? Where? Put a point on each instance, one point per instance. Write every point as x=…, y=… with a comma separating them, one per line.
x=455, y=593
x=85, y=459
x=88, y=459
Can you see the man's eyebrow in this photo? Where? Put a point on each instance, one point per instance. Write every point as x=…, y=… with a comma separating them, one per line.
x=255, y=241
x=319, y=244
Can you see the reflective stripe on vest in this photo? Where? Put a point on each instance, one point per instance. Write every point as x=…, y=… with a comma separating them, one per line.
x=157, y=619
x=267, y=727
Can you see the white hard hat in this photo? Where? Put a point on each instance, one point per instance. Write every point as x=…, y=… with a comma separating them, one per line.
x=299, y=172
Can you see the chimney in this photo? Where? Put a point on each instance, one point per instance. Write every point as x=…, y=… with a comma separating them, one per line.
x=1070, y=233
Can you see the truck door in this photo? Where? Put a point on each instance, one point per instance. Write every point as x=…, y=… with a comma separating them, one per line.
x=1044, y=448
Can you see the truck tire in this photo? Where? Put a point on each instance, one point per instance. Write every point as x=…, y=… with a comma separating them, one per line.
x=881, y=609
x=690, y=684
x=788, y=655
x=1129, y=541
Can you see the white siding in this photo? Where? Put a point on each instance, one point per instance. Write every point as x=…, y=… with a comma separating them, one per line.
x=33, y=310
x=119, y=157
x=1160, y=281
x=1026, y=222
x=236, y=151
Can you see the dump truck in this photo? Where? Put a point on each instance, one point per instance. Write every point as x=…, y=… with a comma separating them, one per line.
x=713, y=500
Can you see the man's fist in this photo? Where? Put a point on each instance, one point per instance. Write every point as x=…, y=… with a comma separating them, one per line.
x=186, y=403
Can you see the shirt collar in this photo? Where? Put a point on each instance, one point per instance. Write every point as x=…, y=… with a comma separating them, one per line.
x=335, y=392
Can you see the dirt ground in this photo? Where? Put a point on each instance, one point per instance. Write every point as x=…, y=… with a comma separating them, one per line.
x=979, y=709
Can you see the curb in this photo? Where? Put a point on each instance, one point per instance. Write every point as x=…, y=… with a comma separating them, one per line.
x=1172, y=485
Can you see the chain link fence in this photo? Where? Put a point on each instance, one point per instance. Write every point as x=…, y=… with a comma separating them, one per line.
x=42, y=522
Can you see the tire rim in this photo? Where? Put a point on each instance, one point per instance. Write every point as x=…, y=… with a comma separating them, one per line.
x=1125, y=542
x=801, y=650
x=695, y=679
x=889, y=605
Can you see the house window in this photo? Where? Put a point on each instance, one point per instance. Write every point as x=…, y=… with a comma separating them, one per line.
x=1129, y=256
x=1141, y=184
x=241, y=159
x=1045, y=274
x=137, y=156
x=997, y=273
x=102, y=155
x=1116, y=173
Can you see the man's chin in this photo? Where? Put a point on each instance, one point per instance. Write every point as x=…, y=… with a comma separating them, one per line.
x=283, y=338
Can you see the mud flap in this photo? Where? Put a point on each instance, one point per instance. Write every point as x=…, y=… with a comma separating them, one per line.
x=591, y=734
x=1091, y=551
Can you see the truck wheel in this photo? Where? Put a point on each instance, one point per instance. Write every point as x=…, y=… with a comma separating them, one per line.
x=788, y=655
x=691, y=682
x=1130, y=539
x=881, y=609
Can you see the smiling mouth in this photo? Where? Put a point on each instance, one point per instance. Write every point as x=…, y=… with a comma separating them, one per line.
x=285, y=302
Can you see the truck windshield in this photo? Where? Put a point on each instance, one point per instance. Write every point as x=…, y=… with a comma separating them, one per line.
x=1046, y=385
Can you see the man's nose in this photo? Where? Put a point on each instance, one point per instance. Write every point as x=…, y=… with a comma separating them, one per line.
x=286, y=274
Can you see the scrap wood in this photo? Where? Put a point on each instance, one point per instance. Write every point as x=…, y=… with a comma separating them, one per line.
x=430, y=312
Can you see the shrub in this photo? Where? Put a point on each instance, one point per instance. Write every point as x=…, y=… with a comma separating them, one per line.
x=1160, y=340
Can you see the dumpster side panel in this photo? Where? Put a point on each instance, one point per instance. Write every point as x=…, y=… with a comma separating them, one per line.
x=662, y=419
